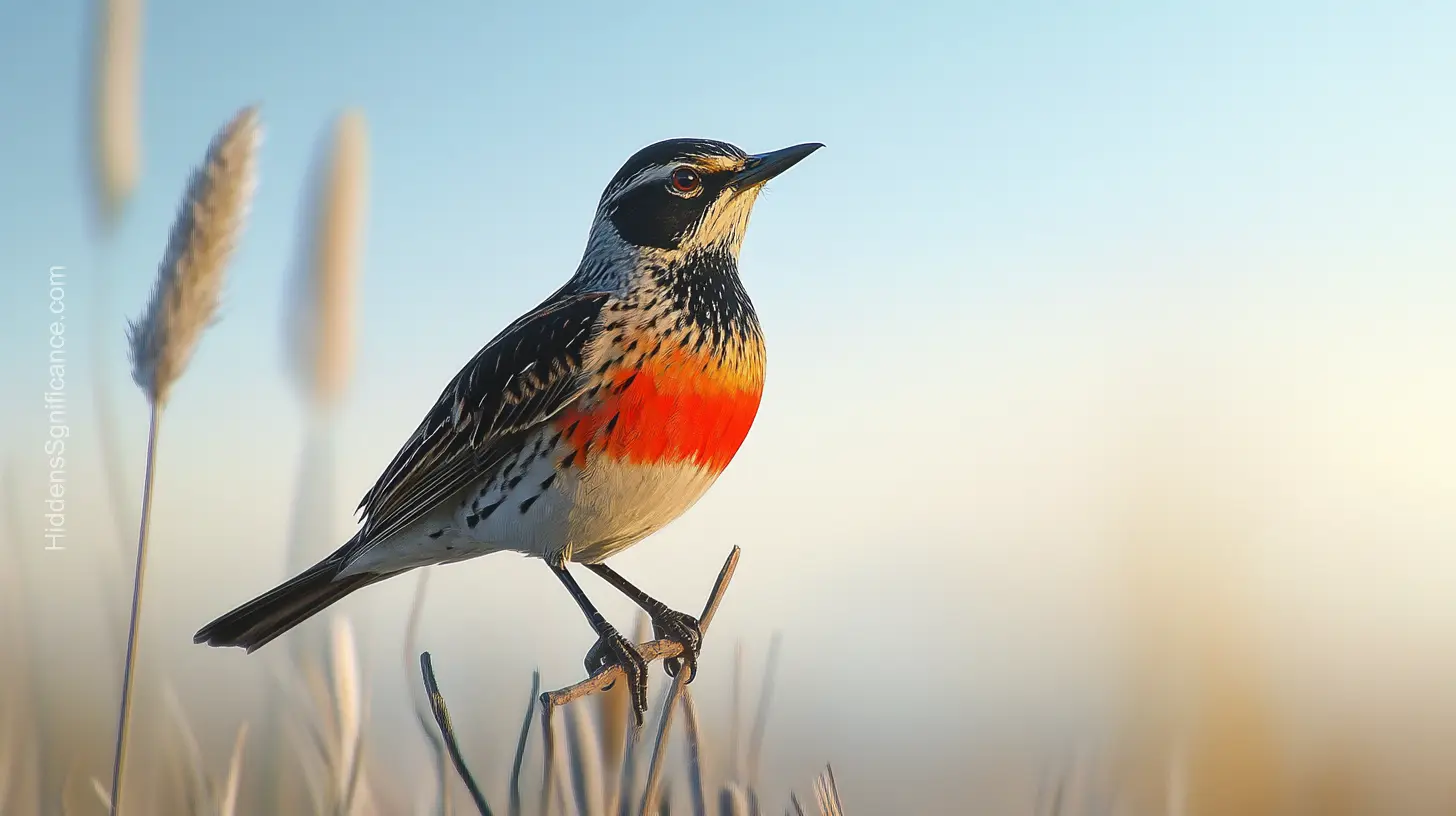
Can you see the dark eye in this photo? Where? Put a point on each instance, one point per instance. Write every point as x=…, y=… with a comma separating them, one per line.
x=686, y=180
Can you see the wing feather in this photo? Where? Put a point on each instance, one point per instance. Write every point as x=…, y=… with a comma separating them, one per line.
x=526, y=375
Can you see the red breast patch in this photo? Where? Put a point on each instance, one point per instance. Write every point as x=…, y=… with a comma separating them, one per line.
x=669, y=410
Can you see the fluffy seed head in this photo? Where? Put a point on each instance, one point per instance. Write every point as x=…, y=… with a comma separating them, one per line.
x=115, y=89
x=322, y=313
x=190, y=278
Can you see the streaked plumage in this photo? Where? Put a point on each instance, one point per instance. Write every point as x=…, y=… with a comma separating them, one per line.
x=588, y=423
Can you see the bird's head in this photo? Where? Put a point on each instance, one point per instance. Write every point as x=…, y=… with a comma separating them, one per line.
x=687, y=195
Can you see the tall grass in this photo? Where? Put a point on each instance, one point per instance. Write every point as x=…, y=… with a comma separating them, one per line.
x=319, y=336
x=183, y=304
x=592, y=771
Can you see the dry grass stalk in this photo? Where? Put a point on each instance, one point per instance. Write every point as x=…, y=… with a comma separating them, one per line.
x=183, y=304
x=618, y=745
x=192, y=770
x=733, y=801
x=422, y=717
x=228, y=803
x=520, y=759
x=323, y=314
x=826, y=792
x=585, y=754
x=735, y=741
x=332, y=737
x=765, y=698
x=349, y=711
x=116, y=104
x=447, y=731
x=24, y=743
x=548, y=757
x=659, y=749
x=696, y=761
x=199, y=792
x=590, y=783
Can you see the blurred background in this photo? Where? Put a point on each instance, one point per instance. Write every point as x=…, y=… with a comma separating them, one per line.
x=1105, y=460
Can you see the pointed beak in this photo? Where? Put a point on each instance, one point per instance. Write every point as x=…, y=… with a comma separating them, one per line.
x=759, y=169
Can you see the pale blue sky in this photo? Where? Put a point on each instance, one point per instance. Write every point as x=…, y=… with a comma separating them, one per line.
x=1009, y=194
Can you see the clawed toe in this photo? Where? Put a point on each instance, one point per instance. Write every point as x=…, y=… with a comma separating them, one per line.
x=682, y=629
x=614, y=650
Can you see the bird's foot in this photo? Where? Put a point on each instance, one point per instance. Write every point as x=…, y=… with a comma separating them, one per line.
x=614, y=650
x=682, y=629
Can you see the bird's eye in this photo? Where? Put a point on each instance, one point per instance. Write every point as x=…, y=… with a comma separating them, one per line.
x=686, y=180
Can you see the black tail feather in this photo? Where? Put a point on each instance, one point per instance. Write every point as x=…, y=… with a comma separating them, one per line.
x=269, y=615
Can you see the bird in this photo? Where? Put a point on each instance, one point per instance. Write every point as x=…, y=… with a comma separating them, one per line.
x=587, y=424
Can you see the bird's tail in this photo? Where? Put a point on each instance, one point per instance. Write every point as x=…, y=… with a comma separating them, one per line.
x=269, y=615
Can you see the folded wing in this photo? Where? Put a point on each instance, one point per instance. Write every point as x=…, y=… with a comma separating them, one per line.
x=522, y=378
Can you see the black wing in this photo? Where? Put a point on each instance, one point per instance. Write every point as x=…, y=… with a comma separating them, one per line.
x=522, y=378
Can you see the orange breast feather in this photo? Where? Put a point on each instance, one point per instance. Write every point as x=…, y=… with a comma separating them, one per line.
x=670, y=410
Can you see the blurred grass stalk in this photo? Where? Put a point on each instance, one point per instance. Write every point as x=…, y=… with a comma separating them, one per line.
x=319, y=339
x=320, y=332
x=1201, y=737
x=115, y=108
x=320, y=324
x=114, y=151
x=183, y=304
x=24, y=750
x=579, y=775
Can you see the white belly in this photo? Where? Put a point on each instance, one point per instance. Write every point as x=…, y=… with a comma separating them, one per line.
x=586, y=514
x=537, y=508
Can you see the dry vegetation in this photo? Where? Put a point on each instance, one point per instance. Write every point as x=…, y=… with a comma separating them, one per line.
x=1214, y=750
x=316, y=724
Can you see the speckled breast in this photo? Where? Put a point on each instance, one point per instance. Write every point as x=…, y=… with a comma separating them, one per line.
x=673, y=405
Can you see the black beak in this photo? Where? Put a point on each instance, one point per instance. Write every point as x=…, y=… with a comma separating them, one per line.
x=765, y=166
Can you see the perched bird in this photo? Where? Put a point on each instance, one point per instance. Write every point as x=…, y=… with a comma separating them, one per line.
x=587, y=424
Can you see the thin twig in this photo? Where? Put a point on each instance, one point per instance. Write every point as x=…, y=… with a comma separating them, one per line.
x=520, y=759
x=447, y=732
x=654, y=770
x=123, y=724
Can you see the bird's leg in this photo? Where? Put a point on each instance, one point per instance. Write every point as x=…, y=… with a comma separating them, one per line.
x=611, y=648
x=667, y=624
